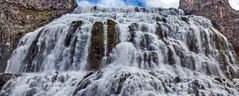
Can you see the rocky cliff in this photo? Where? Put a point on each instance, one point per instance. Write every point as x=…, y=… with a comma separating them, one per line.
x=223, y=16
x=18, y=17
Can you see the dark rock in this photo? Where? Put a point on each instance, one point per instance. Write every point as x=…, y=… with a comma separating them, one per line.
x=132, y=28
x=96, y=50
x=74, y=26
x=146, y=41
x=32, y=53
x=171, y=57
x=185, y=19
x=221, y=80
x=112, y=36
x=112, y=39
x=18, y=17
x=31, y=92
x=159, y=31
x=177, y=79
x=192, y=42
x=223, y=17
x=6, y=77
x=86, y=81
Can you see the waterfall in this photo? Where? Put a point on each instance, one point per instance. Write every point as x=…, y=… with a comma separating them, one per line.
x=131, y=51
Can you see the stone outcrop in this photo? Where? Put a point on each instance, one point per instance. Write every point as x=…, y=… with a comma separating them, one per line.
x=222, y=15
x=4, y=78
x=18, y=17
x=96, y=50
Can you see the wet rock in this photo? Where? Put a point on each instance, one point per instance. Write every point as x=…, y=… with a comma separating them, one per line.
x=6, y=77
x=147, y=39
x=86, y=81
x=192, y=42
x=112, y=36
x=18, y=17
x=112, y=39
x=221, y=80
x=159, y=31
x=31, y=92
x=132, y=28
x=171, y=56
x=185, y=19
x=118, y=83
x=75, y=25
x=32, y=53
x=144, y=28
x=96, y=50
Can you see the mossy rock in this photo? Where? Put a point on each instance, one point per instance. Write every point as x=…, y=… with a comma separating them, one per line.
x=112, y=36
x=37, y=12
x=96, y=49
x=4, y=78
x=220, y=43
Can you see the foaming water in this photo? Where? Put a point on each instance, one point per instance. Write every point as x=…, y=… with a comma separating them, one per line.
x=131, y=51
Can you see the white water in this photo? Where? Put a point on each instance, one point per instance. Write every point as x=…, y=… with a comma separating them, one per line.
x=163, y=52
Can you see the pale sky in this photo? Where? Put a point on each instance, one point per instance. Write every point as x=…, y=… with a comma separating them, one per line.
x=175, y=3
x=149, y=3
x=234, y=4
x=162, y=3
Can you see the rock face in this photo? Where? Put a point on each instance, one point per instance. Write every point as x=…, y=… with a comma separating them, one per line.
x=223, y=16
x=18, y=17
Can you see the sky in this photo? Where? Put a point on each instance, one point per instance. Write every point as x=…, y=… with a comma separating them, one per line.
x=234, y=4
x=145, y=3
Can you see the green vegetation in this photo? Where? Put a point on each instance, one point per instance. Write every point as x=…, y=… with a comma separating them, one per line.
x=112, y=36
x=38, y=12
x=96, y=50
x=220, y=42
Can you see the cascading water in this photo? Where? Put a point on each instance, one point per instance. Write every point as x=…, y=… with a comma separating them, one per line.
x=99, y=51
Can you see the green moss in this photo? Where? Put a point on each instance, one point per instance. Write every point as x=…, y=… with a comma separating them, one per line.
x=96, y=50
x=220, y=42
x=38, y=12
x=5, y=77
x=112, y=36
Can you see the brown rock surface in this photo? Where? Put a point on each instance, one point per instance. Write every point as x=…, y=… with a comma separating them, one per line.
x=222, y=15
x=18, y=17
